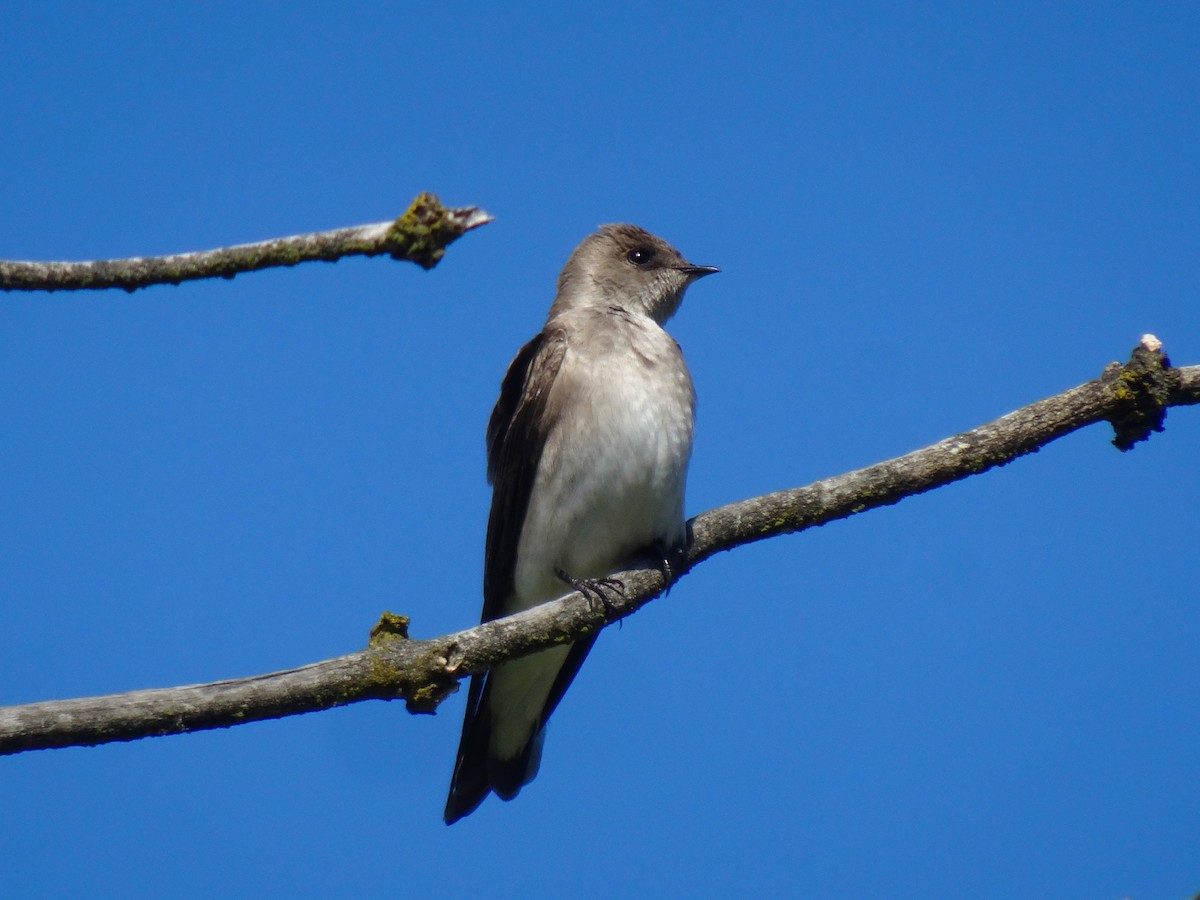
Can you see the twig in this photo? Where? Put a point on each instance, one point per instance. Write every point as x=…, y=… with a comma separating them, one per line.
x=420, y=235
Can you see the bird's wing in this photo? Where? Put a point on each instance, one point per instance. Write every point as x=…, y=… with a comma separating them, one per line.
x=516, y=435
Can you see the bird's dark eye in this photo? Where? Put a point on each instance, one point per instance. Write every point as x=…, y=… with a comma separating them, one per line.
x=639, y=256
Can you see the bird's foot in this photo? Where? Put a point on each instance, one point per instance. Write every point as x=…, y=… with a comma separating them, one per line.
x=594, y=588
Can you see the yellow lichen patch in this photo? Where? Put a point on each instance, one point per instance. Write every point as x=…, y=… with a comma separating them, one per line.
x=390, y=627
x=420, y=233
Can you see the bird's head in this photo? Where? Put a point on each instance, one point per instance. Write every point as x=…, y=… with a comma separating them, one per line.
x=626, y=266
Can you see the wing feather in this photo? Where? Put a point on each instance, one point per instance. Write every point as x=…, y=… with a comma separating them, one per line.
x=516, y=435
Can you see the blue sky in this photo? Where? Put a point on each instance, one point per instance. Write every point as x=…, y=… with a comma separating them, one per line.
x=925, y=216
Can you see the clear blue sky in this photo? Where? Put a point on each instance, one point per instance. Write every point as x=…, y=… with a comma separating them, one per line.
x=925, y=216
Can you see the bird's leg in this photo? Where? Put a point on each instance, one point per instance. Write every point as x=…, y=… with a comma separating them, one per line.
x=593, y=588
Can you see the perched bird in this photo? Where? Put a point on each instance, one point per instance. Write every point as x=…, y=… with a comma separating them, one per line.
x=587, y=449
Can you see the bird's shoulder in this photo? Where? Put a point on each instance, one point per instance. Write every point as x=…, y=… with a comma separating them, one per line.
x=523, y=392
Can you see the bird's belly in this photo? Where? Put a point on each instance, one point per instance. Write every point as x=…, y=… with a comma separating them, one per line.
x=618, y=493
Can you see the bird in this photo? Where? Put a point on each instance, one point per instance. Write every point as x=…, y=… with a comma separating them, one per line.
x=587, y=453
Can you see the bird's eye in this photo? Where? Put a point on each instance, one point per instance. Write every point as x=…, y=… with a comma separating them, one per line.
x=639, y=256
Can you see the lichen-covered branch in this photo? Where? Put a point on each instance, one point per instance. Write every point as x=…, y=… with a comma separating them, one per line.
x=1133, y=397
x=420, y=235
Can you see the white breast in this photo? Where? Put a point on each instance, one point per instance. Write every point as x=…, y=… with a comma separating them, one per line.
x=612, y=478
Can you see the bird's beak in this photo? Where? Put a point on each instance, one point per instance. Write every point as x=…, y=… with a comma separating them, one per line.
x=695, y=272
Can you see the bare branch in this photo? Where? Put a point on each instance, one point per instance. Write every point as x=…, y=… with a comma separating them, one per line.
x=420, y=235
x=1133, y=397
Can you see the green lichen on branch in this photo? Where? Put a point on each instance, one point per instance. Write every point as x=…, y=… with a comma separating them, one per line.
x=423, y=692
x=423, y=232
x=424, y=699
x=1143, y=388
x=387, y=679
x=390, y=627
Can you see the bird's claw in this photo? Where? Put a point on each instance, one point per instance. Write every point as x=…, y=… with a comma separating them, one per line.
x=667, y=560
x=594, y=588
